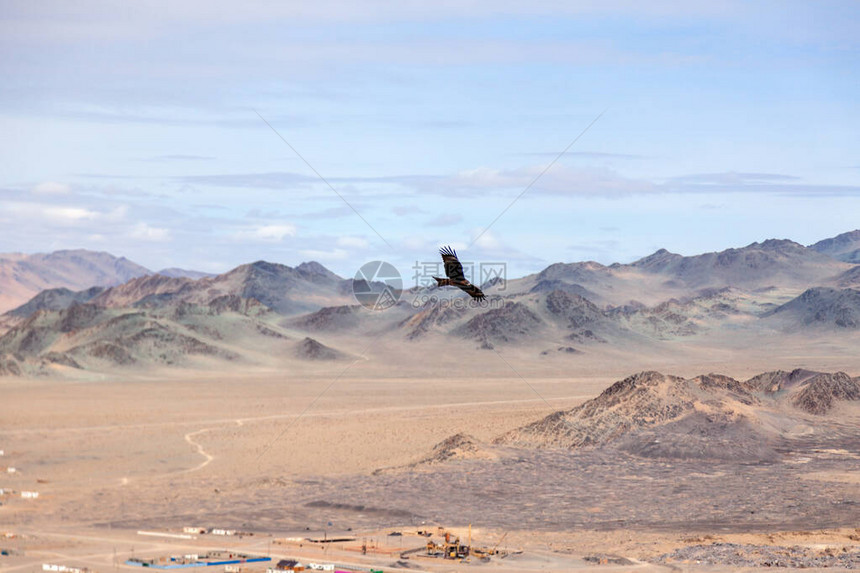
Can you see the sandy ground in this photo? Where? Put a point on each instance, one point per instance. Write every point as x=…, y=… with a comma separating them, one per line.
x=112, y=456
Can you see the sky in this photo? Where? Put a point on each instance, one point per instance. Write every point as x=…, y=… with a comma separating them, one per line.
x=207, y=134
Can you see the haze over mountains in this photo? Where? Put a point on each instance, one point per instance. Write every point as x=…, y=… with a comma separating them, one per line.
x=23, y=276
x=268, y=315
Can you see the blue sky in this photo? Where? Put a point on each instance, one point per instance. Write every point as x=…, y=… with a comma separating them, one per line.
x=134, y=129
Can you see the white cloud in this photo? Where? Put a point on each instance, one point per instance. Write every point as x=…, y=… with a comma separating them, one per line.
x=267, y=233
x=145, y=232
x=69, y=214
x=51, y=214
x=275, y=232
x=51, y=188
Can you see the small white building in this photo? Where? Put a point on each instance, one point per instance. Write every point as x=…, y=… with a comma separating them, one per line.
x=63, y=568
x=29, y=494
x=190, y=529
x=11, y=470
x=223, y=532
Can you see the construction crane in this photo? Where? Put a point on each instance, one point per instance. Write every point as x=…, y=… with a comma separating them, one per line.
x=502, y=538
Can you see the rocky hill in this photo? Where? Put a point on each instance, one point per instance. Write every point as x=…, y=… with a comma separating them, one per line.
x=772, y=262
x=710, y=416
x=845, y=247
x=663, y=275
x=284, y=289
x=55, y=299
x=310, y=349
x=92, y=337
x=812, y=392
x=512, y=322
x=850, y=278
x=24, y=276
x=459, y=447
x=330, y=318
x=823, y=307
x=141, y=290
x=281, y=288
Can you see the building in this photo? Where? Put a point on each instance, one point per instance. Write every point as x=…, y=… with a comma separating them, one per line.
x=64, y=568
x=191, y=529
x=286, y=565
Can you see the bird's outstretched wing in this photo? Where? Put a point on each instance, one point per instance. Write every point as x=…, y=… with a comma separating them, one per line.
x=453, y=267
x=472, y=291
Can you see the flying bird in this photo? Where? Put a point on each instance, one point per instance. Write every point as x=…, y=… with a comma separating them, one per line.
x=454, y=272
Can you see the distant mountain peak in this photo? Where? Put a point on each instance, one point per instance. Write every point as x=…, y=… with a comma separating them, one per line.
x=263, y=266
x=844, y=247
x=848, y=237
x=24, y=276
x=316, y=269
x=659, y=257
x=777, y=244
x=312, y=267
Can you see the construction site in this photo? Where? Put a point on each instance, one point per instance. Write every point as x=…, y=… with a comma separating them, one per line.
x=450, y=546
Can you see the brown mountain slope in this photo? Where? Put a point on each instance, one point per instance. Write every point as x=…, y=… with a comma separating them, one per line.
x=709, y=416
x=286, y=290
x=771, y=262
x=640, y=401
x=845, y=247
x=821, y=306
x=24, y=276
x=812, y=392
x=310, y=349
x=663, y=275
x=96, y=338
x=137, y=289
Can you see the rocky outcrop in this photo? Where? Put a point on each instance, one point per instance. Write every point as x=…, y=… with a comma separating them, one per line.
x=656, y=415
x=822, y=306
x=310, y=349
x=329, y=318
x=845, y=247
x=821, y=392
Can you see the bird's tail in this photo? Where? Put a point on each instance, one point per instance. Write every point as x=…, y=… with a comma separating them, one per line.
x=442, y=282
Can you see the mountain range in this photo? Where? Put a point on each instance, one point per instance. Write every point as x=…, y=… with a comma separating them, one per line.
x=116, y=313
x=23, y=276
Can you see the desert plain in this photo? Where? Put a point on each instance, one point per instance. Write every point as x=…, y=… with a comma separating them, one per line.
x=288, y=456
